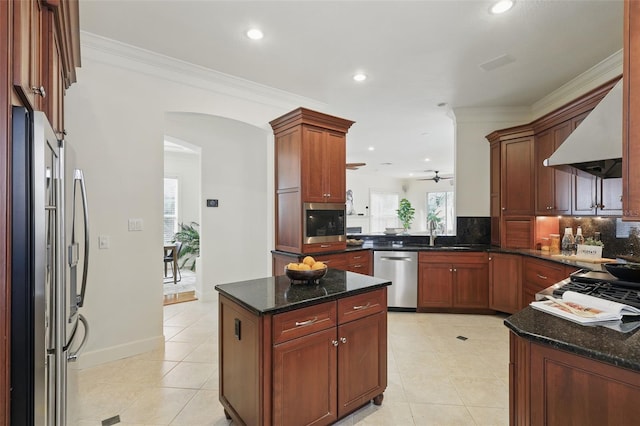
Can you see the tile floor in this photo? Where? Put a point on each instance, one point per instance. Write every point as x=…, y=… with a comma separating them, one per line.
x=434, y=378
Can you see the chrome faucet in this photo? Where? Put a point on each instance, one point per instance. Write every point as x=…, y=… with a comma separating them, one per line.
x=432, y=228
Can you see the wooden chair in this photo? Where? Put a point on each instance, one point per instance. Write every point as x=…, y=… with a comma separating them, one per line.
x=171, y=255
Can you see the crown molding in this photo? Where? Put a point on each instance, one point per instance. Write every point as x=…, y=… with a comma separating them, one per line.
x=602, y=72
x=135, y=59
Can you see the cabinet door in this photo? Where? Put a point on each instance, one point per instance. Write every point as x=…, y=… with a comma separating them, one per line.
x=52, y=72
x=334, y=168
x=313, y=144
x=610, y=200
x=561, y=179
x=584, y=195
x=631, y=111
x=505, y=282
x=26, y=51
x=517, y=177
x=495, y=205
x=470, y=285
x=545, y=191
x=362, y=361
x=305, y=380
x=435, y=285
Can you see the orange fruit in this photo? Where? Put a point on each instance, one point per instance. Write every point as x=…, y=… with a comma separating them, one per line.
x=308, y=260
x=303, y=267
x=318, y=265
x=292, y=266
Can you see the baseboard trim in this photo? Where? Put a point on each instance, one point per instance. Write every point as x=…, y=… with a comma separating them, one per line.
x=113, y=353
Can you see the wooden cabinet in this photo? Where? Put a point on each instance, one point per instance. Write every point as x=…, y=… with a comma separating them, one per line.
x=594, y=196
x=553, y=186
x=310, y=166
x=553, y=387
x=323, y=166
x=631, y=112
x=358, y=261
x=27, y=46
x=505, y=282
x=539, y=274
x=453, y=281
x=309, y=366
x=512, y=203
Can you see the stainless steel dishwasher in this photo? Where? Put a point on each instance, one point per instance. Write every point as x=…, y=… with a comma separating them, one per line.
x=401, y=267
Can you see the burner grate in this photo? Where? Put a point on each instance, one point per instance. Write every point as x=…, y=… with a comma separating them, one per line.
x=603, y=290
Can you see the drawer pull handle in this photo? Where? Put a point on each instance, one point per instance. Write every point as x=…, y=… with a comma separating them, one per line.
x=311, y=321
x=356, y=257
x=343, y=339
x=542, y=277
x=357, y=308
x=357, y=266
x=325, y=245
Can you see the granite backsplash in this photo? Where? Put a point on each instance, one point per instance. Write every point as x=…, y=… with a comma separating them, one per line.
x=619, y=238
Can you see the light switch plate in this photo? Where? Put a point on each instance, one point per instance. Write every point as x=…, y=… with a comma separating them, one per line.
x=103, y=242
x=135, y=224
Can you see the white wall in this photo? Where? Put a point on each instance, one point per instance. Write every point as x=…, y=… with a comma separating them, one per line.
x=185, y=166
x=115, y=117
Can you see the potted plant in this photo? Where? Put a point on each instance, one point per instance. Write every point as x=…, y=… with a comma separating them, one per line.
x=405, y=214
x=189, y=236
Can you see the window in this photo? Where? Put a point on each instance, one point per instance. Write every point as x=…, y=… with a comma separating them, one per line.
x=170, y=208
x=440, y=212
x=383, y=210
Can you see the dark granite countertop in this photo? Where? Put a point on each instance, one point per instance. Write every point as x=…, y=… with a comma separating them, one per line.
x=595, y=342
x=272, y=295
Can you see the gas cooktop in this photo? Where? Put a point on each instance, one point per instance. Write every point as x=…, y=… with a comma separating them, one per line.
x=602, y=285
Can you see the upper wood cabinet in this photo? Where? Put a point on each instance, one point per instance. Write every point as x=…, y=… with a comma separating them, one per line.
x=517, y=177
x=631, y=112
x=496, y=213
x=594, y=196
x=310, y=166
x=46, y=52
x=553, y=187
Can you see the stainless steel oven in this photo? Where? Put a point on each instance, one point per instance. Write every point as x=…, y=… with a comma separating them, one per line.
x=324, y=223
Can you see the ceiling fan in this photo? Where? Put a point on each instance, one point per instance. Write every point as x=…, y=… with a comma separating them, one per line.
x=437, y=178
x=355, y=166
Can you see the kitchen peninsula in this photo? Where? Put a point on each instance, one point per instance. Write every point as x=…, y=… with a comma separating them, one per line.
x=294, y=354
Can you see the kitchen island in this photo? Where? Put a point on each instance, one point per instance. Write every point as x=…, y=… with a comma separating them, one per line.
x=562, y=372
x=297, y=354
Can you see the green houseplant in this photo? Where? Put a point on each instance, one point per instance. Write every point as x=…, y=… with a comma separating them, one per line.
x=405, y=214
x=189, y=236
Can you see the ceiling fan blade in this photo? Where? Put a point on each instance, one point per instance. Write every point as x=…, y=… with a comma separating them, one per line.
x=355, y=166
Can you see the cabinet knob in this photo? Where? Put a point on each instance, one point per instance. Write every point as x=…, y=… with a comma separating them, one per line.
x=334, y=342
x=39, y=91
x=343, y=339
x=504, y=208
x=455, y=270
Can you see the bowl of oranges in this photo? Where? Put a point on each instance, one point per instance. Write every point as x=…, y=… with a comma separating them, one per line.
x=307, y=271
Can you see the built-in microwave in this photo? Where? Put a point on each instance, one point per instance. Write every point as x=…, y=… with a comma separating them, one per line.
x=323, y=223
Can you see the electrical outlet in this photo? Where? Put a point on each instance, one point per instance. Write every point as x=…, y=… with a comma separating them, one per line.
x=103, y=242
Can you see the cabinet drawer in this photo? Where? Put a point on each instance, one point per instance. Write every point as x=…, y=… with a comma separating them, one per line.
x=540, y=274
x=324, y=247
x=452, y=257
x=337, y=261
x=362, y=305
x=293, y=324
x=363, y=268
x=362, y=256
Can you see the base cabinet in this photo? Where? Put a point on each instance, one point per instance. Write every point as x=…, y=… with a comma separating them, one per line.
x=505, y=282
x=453, y=281
x=552, y=387
x=309, y=366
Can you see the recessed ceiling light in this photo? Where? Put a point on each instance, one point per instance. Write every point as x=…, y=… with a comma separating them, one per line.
x=360, y=77
x=427, y=159
x=371, y=148
x=255, y=34
x=501, y=6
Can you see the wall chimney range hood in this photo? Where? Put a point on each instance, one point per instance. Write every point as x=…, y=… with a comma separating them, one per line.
x=595, y=146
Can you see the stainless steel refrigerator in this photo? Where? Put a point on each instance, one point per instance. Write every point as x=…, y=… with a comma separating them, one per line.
x=49, y=264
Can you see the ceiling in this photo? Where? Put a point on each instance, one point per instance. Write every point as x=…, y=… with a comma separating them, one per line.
x=422, y=58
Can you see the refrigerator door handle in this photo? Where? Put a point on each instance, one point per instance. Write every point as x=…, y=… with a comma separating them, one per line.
x=73, y=356
x=78, y=176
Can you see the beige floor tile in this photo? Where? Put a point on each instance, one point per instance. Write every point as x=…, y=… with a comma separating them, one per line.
x=203, y=409
x=213, y=382
x=388, y=414
x=170, y=332
x=206, y=352
x=141, y=371
x=482, y=392
x=430, y=390
x=395, y=390
x=485, y=416
x=157, y=405
x=189, y=375
x=441, y=415
x=170, y=351
x=196, y=335
x=105, y=400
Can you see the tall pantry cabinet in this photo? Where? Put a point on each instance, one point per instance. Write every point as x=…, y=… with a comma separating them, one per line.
x=310, y=167
x=39, y=53
x=631, y=112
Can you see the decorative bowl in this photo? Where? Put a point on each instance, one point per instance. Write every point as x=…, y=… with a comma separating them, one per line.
x=305, y=276
x=624, y=271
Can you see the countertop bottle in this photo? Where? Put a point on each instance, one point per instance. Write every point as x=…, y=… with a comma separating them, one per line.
x=554, y=243
x=579, y=236
x=568, y=243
